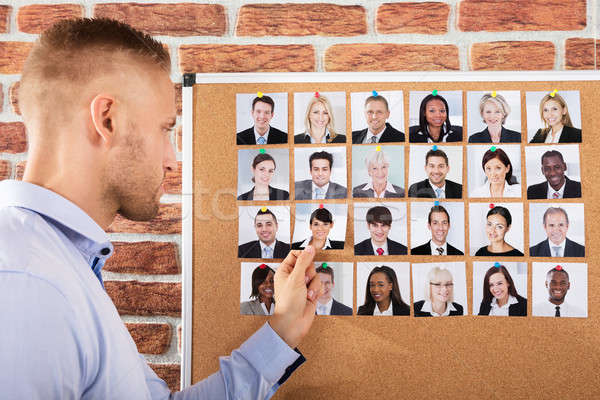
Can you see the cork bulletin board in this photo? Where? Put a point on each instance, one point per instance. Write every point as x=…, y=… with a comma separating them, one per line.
x=471, y=357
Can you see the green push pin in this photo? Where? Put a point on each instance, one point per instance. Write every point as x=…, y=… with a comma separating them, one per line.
x=493, y=148
x=262, y=151
x=435, y=92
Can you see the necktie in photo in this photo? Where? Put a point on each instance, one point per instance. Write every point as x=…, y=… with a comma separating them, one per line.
x=379, y=251
x=440, y=251
x=556, y=251
x=261, y=140
x=557, y=314
x=556, y=195
x=319, y=195
x=373, y=139
x=268, y=252
x=438, y=193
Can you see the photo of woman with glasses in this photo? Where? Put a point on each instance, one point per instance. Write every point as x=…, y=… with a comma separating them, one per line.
x=439, y=295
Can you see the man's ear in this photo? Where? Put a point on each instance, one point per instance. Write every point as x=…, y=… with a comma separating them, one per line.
x=102, y=113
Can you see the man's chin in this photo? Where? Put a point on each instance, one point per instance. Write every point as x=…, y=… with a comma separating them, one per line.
x=140, y=213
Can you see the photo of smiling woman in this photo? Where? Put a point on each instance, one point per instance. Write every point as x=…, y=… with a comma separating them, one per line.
x=378, y=167
x=499, y=178
x=498, y=223
x=262, y=294
x=262, y=171
x=434, y=122
x=558, y=127
x=321, y=226
x=500, y=297
x=439, y=295
x=382, y=294
x=319, y=123
x=494, y=110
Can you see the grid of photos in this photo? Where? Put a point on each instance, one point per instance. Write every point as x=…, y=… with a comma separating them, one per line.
x=456, y=179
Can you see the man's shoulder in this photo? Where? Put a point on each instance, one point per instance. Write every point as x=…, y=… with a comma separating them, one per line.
x=359, y=136
x=246, y=136
x=537, y=191
x=363, y=248
x=423, y=249
x=338, y=308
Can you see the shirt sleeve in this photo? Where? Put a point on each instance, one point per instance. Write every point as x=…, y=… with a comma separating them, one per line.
x=254, y=371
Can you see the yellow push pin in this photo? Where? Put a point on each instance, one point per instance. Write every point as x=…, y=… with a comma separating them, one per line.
x=553, y=93
x=259, y=94
x=263, y=209
x=494, y=93
x=378, y=148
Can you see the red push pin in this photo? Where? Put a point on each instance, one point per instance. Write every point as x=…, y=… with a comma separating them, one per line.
x=320, y=205
x=317, y=95
x=263, y=266
x=491, y=205
x=558, y=268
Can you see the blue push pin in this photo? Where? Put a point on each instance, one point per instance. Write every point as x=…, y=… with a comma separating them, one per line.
x=375, y=94
x=434, y=147
x=497, y=264
x=436, y=203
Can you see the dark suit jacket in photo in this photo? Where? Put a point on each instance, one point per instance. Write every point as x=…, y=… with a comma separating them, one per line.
x=542, y=249
x=390, y=134
x=370, y=193
x=338, y=308
x=425, y=250
x=540, y=190
x=506, y=136
x=303, y=190
x=397, y=309
x=304, y=138
x=365, y=248
x=514, y=310
x=424, y=189
x=416, y=136
x=335, y=245
x=275, y=136
x=252, y=250
x=274, y=194
x=568, y=135
x=419, y=305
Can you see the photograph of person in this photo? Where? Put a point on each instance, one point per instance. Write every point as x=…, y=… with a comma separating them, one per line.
x=327, y=273
x=438, y=233
x=443, y=287
x=552, y=178
x=262, y=289
x=494, y=171
x=375, y=239
x=374, y=113
x=325, y=168
x=491, y=235
x=435, y=118
x=496, y=121
x=499, y=295
x=433, y=181
x=548, y=227
x=320, y=117
x=560, y=290
x=258, y=231
x=383, y=287
x=257, y=112
x=558, y=125
x=322, y=226
x=260, y=173
x=383, y=180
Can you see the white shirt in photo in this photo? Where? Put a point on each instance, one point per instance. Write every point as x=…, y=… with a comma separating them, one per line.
x=270, y=310
x=263, y=252
x=560, y=248
x=384, y=248
x=547, y=309
x=434, y=248
x=324, y=309
x=307, y=241
x=258, y=135
x=428, y=308
x=509, y=190
x=556, y=138
x=498, y=311
x=389, y=311
x=324, y=189
x=371, y=135
x=388, y=188
x=436, y=188
x=561, y=191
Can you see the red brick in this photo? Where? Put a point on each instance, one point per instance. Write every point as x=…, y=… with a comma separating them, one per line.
x=12, y=137
x=429, y=18
x=246, y=58
x=179, y=338
x=172, y=182
x=301, y=20
x=512, y=56
x=178, y=101
x=170, y=373
x=1, y=99
x=37, y=18
x=580, y=53
x=13, y=94
x=5, y=169
x=179, y=138
x=391, y=57
x=167, y=221
x=145, y=298
x=182, y=19
x=143, y=258
x=151, y=338
x=13, y=56
x=20, y=169
x=4, y=18
x=521, y=15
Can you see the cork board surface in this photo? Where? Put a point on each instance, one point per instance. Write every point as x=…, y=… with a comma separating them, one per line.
x=364, y=357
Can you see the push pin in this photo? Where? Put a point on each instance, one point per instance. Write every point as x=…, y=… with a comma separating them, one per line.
x=375, y=94
x=497, y=264
x=317, y=95
x=259, y=94
x=262, y=151
x=436, y=203
x=378, y=148
x=321, y=205
x=553, y=93
x=263, y=209
x=494, y=93
x=434, y=148
x=491, y=205
x=324, y=265
x=263, y=266
x=434, y=92
x=558, y=268
x=493, y=148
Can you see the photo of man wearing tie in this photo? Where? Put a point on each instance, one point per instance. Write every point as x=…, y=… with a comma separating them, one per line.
x=263, y=111
x=379, y=223
x=557, y=185
x=556, y=226
x=320, y=186
x=376, y=114
x=436, y=185
x=558, y=284
x=326, y=304
x=438, y=223
x=267, y=245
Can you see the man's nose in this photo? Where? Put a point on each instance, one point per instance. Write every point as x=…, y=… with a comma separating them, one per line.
x=169, y=159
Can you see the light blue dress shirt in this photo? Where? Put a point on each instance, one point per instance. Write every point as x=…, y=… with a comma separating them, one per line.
x=62, y=338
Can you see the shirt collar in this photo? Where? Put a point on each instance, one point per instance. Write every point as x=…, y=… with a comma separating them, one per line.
x=435, y=187
x=323, y=140
x=511, y=300
x=307, y=241
x=325, y=309
x=324, y=188
x=551, y=191
x=371, y=134
x=388, y=187
x=384, y=247
x=428, y=308
x=257, y=135
x=85, y=234
x=435, y=246
x=561, y=244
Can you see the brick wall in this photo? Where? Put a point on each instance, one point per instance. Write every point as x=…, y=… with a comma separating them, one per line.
x=143, y=277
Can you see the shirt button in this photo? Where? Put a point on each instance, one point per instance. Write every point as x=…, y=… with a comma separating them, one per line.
x=105, y=251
